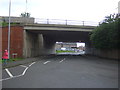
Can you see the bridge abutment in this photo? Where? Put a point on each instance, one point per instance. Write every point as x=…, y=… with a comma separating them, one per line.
x=37, y=44
x=30, y=44
x=88, y=47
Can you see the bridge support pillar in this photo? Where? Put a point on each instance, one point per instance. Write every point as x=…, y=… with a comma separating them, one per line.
x=49, y=45
x=33, y=44
x=88, y=48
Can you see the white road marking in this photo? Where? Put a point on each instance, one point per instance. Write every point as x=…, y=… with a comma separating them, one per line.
x=46, y=62
x=9, y=73
x=27, y=68
x=62, y=60
x=32, y=64
x=11, y=76
x=23, y=66
x=25, y=71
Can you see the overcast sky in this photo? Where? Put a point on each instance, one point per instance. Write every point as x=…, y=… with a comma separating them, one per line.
x=85, y=10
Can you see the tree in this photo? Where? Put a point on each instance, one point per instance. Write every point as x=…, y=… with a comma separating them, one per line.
x=25, y=14
x=106, y=35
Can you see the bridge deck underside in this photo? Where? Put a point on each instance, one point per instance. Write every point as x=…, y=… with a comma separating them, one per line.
x=64, y=36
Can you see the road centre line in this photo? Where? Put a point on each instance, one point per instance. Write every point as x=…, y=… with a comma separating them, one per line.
x=9, y=73
x=62, y=60
x=46, y=62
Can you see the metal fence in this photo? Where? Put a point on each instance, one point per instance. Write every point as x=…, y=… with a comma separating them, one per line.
x=66, y=22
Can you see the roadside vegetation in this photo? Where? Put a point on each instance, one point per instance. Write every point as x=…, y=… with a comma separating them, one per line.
x=106, y=35
x=62, y=51
x=25, y=14
x=6, y=24
x=12, y=59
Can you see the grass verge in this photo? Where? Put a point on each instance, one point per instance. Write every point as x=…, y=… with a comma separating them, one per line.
x=61, y=51
x=12, y=59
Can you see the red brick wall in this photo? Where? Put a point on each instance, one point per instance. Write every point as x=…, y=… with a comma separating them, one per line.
x=16, y=42
x=0, y=42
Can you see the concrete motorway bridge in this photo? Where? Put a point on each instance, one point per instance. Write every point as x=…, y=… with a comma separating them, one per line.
x=40, y=39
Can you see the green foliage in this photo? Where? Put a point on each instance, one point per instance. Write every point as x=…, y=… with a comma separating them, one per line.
x=6, y=24
x=13, y=59
x=61, y=51
x=106, y=35
x=25, y=14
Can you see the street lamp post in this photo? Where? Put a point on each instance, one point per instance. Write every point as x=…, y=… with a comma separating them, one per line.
x=9, y=30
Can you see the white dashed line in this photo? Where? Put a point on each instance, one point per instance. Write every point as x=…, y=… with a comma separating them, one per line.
x=62, y=60
x=46, y=62
x=9, y=73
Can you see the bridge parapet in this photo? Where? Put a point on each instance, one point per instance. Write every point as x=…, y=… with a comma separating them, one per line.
x=66, y=22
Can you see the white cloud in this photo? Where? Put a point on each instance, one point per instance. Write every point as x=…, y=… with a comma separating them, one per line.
x=88, y=10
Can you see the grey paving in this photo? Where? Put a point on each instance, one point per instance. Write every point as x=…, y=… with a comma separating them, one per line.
x=5, y=74
x=73, y=72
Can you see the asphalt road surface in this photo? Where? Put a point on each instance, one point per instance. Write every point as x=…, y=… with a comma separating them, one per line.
x=63, y=72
